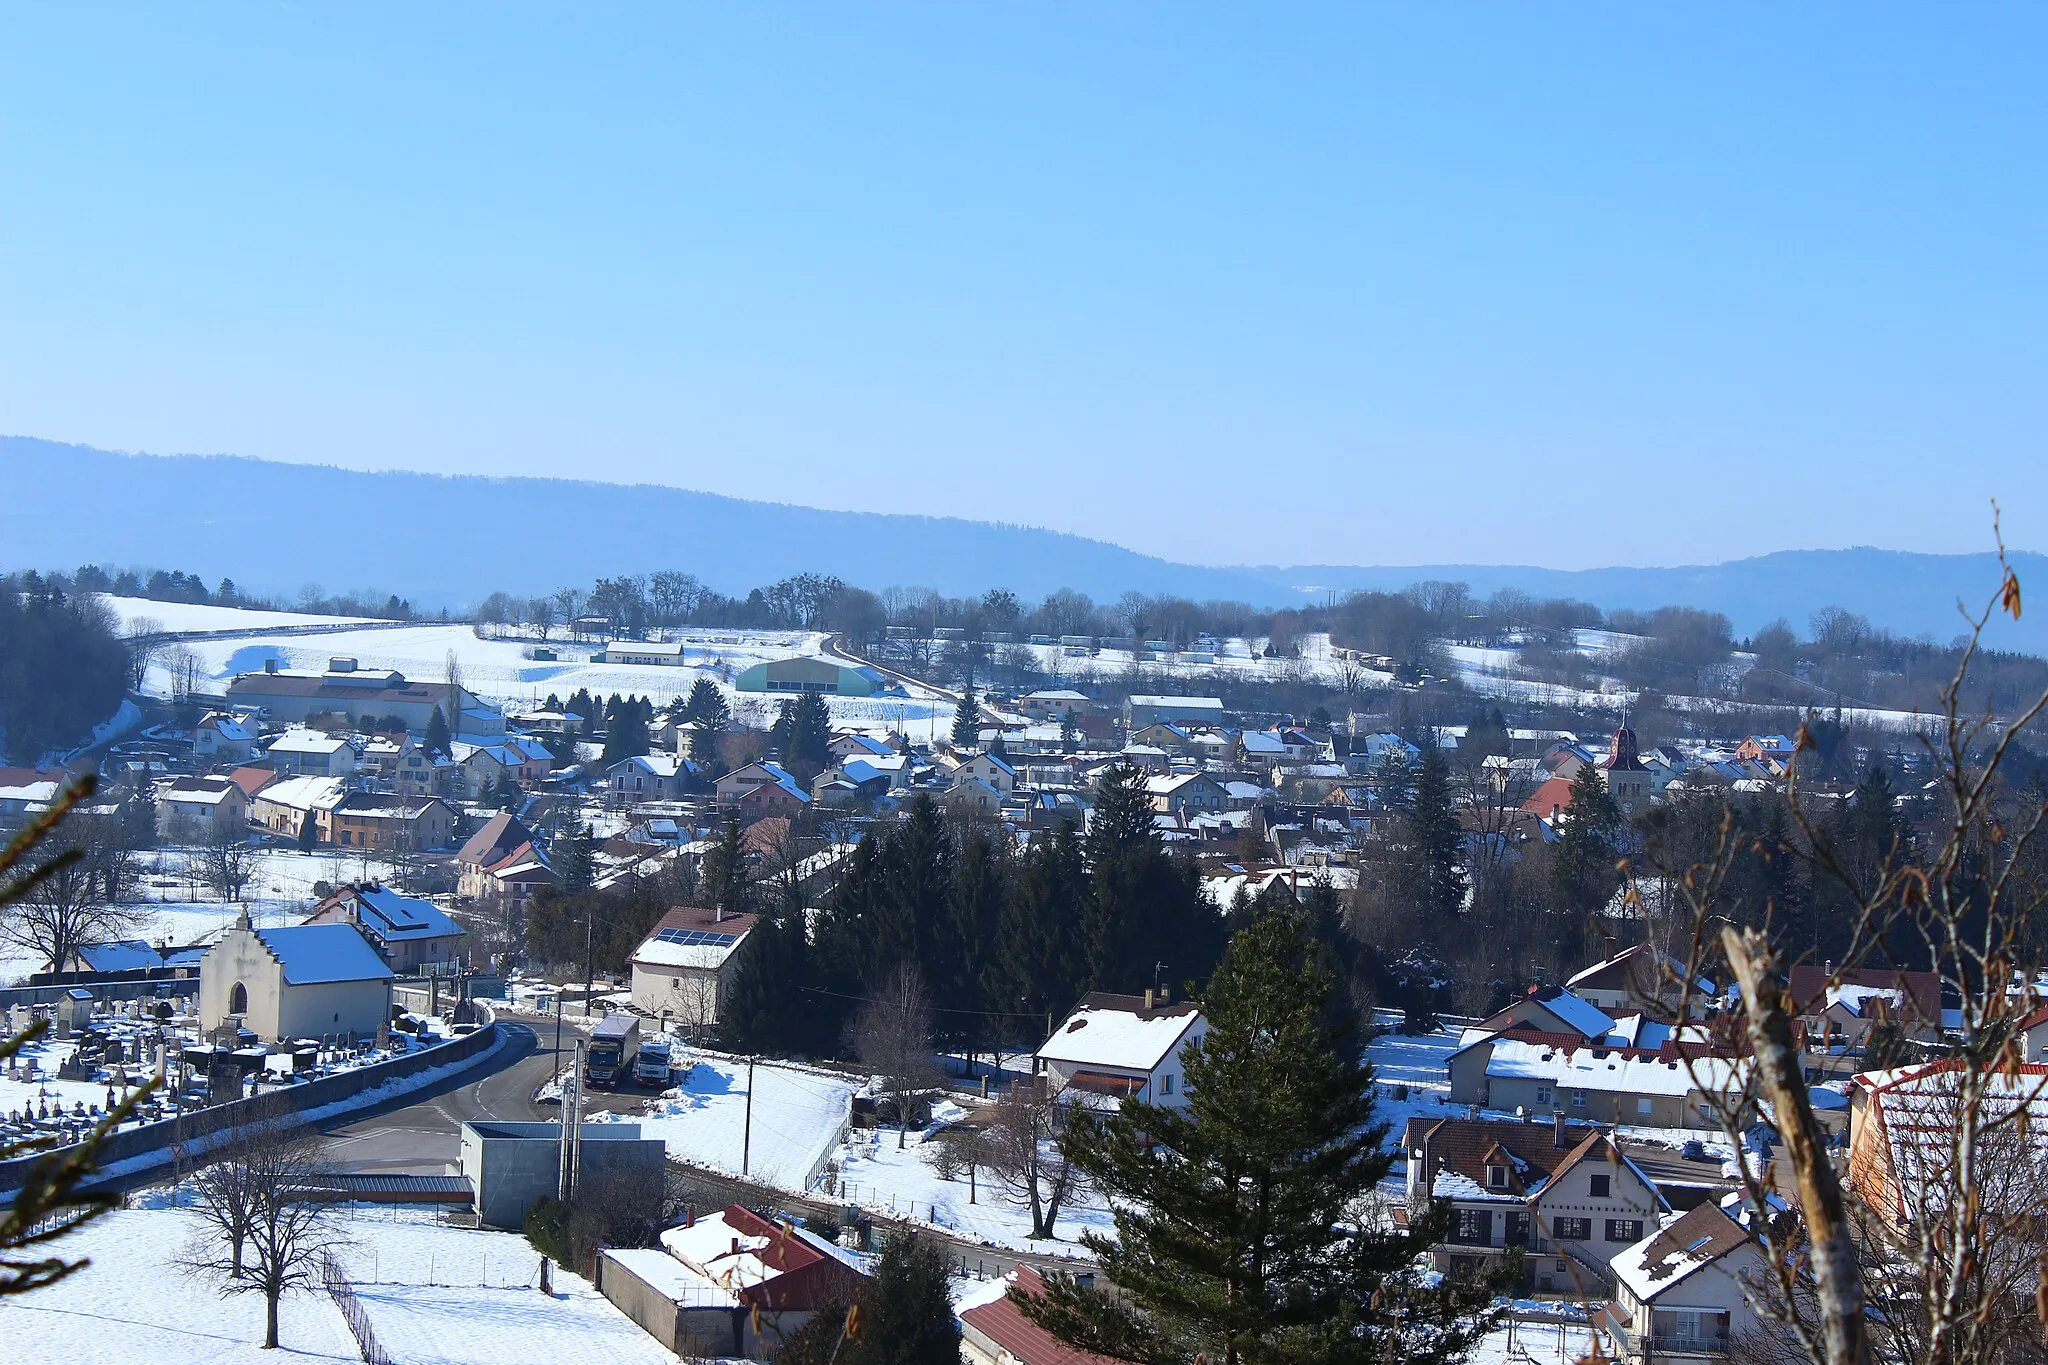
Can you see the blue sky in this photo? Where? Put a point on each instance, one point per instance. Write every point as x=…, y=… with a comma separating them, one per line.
x=1568, y=285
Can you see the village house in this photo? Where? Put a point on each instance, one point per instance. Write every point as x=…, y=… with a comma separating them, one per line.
x=223, y=738
x=1115, y=1046
x=729, y=1285
x=309, y=753
x=416, y=936
x=306, y=981
x=650, y=777
x=1684, y=1293
x=389, y=823
x=995, y=1331
x=1053, y=704
x=499, y=864
x=1566, y=1194
x=1902, y=1132
x=986, y=768
x=519, y=760
x=683, y=969
x=1642, y=979
x=284, y=808
x=1840, y=1010
x=1187, y=792
x=419, y=771
x=729, y=789
x=198, y=810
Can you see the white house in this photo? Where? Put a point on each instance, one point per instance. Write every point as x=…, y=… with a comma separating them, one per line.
x=1682, y=1292
x=223, y=738
x=307, y=981
x=1119, y=1045
x=650, y=777
x=195, y=810
x=308, y=753
x=683, y=968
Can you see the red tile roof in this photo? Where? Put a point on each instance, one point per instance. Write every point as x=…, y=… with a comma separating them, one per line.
x=1004, y=1323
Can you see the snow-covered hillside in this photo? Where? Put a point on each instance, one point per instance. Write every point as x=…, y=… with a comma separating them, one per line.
x=181, y=616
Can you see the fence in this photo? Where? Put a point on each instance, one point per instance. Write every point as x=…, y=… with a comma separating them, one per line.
x=344, y=1295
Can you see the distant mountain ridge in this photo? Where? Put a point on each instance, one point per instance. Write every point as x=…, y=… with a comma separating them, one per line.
x=448, y=540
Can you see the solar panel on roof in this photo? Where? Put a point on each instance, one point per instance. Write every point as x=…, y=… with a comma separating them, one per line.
x=694, y=938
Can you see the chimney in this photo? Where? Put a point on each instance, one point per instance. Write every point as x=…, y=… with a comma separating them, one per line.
x=1151, y=997
x=270, y=664
x=1557, y=1130
x=1166, y=995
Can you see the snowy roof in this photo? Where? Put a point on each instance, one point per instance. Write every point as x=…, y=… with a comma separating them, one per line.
x=1586, y=1018
x=297, y=741
x=1119, y=1032
x=226, y=726
x=1259, y=742
x=312, y=954
x=305, y=793
x=121, y=955
x=668, y=1276
x=392, y=916
x=692, y=936
x=1204, y=703
x=1614, y=1070
x=1691, y=1243
x=196, y=796
x=1057, y=694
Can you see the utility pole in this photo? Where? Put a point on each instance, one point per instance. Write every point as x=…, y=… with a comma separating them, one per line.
x=589, y=958
x=747, y=1130
x=558, y=1031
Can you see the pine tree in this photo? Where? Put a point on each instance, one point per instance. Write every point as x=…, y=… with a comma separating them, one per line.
x=967, y=720
x=438, y=740
x=625, y=732
x=708, y=715
x=1040, y=965
x=575, y=860
x=981, y=889
x=1433, y=843
x=724, y=884
x=1582, y=870
x=1236, y=1230
x=767, y=1007
x=1146, y=907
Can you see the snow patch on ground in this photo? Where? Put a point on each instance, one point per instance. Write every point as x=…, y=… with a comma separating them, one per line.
x=798, y=1115
x=879, y=1177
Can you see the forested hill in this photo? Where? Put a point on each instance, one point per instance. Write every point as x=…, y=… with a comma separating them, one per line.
x=442, y=541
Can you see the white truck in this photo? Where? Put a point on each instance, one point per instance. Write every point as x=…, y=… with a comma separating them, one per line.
x=654, y=1063
x=613, y=1044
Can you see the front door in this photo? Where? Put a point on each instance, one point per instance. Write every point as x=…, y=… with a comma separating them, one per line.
x=1518, y=1230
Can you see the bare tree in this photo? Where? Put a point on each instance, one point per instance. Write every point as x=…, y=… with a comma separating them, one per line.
x=142, y=650
x=892, y=1035
x=262, y=1233
x=68, y=896
x=184, y=664
x=1024, y=1151
x=228, y=861
x=541, y=611
x=1931, y=1250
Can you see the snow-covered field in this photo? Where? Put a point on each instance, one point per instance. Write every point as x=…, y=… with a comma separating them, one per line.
x=499, y=671
x=180, y=616
x=434, y=1295
x=798, y=1114
x=878, y=1176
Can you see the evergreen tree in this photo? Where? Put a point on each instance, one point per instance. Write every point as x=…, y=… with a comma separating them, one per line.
x=767, y=1008
x=575, y=859
x=725, y=884
x=1040, y=964
x=309, y=831
x=906, y=1315
x=438, y=740
x=967, y=720
x=1433, y=844
x=917, y=885
x=1582, y=870
x=625, y=732
x=981, y=889
x=708, y=715
x=1236, y=1230
x=844, y=937
x=1145, y=906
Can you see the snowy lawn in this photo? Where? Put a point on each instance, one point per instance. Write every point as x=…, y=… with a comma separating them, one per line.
x=798, y=1116
x=433, y=1293
x=133, y=1304
x=877, y=1176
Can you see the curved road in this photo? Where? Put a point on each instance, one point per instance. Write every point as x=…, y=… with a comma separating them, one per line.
x=421, y=1134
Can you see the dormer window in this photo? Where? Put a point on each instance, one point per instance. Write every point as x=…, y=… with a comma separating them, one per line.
x=1497, y=1177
